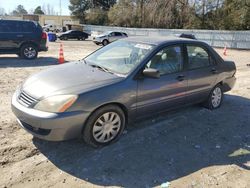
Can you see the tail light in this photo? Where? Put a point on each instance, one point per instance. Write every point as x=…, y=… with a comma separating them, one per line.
x=44, y=35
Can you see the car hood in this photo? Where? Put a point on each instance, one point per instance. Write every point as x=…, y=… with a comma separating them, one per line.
x=100, y=36
x=70, y=78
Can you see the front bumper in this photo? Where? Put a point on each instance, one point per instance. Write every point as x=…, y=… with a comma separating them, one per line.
x=49, y=126
x=97, y=40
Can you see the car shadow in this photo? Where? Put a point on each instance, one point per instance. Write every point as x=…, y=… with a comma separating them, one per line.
x=17, y=62
x=160, y=149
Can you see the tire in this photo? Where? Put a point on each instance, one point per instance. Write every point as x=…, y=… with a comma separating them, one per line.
x=29, y=51
x=65, y=38
x=96, y=133
x=105, y=42
x=215, y=98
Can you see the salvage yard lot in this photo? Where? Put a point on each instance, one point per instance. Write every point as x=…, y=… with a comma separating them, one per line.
x=191, y=147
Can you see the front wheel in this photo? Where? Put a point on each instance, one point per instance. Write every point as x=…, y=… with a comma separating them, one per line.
x=215, y=98
x=104, y=126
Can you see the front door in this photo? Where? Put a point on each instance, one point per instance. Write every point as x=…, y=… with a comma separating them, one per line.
x=168, y=91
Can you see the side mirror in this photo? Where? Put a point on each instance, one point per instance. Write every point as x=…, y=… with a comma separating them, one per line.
x=151, y=73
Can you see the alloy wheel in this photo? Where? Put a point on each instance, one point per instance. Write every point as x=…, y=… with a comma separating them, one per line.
x=29, y=52
x=106, y=127
x=216, y=97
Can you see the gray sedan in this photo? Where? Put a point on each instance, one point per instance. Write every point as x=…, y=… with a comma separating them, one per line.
x=129, y=79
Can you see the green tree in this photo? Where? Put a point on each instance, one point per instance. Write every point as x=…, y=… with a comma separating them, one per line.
x=78, y=9
x=103, y=4
x=20, y=10
x=38, y=10
x=96, y=16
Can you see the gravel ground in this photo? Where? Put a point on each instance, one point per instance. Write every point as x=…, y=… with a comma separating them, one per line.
x=191, y=147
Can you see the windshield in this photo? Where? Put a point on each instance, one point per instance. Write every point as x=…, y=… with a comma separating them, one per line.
x=119, y=57
x=106, y=33
x=68, y=31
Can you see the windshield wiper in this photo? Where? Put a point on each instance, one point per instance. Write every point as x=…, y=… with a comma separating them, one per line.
x=101, y=68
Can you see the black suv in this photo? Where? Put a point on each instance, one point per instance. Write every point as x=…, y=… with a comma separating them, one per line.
x=24, y=38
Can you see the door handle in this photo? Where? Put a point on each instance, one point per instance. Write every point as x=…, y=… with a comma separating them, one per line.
x=214, y=71
x=180, y=77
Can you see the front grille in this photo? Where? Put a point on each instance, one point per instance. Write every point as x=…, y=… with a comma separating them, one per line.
x=26, y=99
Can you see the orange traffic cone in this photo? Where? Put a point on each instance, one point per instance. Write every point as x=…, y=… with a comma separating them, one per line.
x=61, y=56
x=225, y=51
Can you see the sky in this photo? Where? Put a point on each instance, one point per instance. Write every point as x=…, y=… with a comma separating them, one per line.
x=10, y=5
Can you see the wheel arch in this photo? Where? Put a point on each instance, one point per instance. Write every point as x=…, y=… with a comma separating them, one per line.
x=120, y=105
x=28, y=42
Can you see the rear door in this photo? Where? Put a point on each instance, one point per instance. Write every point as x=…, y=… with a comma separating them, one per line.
x=29, y=31
x=202, y=72
x=169, y=91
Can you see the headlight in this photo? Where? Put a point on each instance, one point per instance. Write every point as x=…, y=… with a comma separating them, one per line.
x=58, y=103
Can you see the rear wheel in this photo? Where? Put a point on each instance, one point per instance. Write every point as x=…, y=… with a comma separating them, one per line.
x=29, y=51
x=105, y=42
x=215, y=98
x=104, y=126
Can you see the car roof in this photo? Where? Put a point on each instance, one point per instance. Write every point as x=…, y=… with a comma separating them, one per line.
x=17, y=20
x=160, y=39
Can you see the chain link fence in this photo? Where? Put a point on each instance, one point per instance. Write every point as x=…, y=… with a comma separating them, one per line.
x=215, y=38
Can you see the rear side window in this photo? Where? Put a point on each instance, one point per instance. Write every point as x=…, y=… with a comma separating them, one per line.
x=27, y=27
x=118, y=34
x=197, y=57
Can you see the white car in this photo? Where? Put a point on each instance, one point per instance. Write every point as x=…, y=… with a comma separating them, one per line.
x=52, y=28
x=109, y=37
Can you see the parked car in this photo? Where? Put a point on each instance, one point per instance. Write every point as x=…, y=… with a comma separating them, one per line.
x=52, y=28
x=24, y=38
x=73, y=34
x=188, y=36
x=129, y=79
x=109, y=37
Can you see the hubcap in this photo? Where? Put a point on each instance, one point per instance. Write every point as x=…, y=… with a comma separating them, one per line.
x=30, y=52
x=105, y=43
x=106, y=127
x=216, y=97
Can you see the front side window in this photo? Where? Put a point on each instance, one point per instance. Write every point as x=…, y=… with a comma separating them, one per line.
x=197, y=57
x=119, y=57
x=168, y=60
